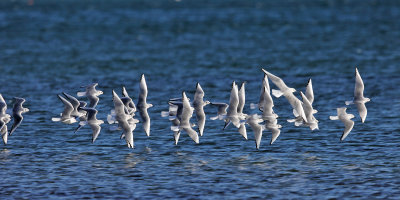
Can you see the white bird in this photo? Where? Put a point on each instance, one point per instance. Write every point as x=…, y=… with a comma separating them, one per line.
x=130, y=107
x=92, y=94
x=268, y=115
x=288, y=93
x=128, y=102
x=221, y=113
x=75, y=104
x=346, y=119
x=18, y=110
x=309, y=112
x=122, y=118
x=187, y=112
x=66, y=116
x=93, y=122
x=198, y=104
x=229, y=113
x=82, y=118
x=267, y=106
x=175, y=113
x=359, y=98
x=275, y=131
x=254, y=122
x=142, y=105
x=4, y=119
x=232, y=114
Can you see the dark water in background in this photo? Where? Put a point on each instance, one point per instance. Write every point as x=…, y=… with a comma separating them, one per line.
x=56, y=46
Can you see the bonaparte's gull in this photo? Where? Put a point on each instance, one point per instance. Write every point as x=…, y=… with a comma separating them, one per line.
x=359, y=98
x=4, y=119
x=92, y=94
x=82, y=118
x=142, y=105
x=187, y=112
x=122, y=118
x=66, y=116
x=346, y=119
x=75, y=104
x=198, y=104
x=93, y=122
x=18, y=110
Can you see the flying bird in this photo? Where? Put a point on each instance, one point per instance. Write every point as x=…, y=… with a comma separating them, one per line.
x=92, y=94
x=359, y=98
x=18, y=110
x=346, y=119
x=198, y=104
x=142, y=105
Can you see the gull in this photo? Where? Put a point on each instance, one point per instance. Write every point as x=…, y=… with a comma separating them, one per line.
x=308, y=110
x=4, y=119
x=187, y=112
x=128, y=102
x=92, y=94
x=174, y=112
x=198, y=104
x=359, y=98
x=229, y=113
x=288, y=93
x=142, y=105
x=82, y=118
x=93, y=122
x=66, y=116
x=346, y=119
x=175, y=116
x=267, y=104
x=275, y=131
x=75, y=104
x=232, y=114
x=130, y=107
x=122, y=118
x=221, y=113
x=254, y=122
x=18, y=110
x=268, y=114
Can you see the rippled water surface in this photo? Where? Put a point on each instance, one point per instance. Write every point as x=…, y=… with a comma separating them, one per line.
x=55, y=46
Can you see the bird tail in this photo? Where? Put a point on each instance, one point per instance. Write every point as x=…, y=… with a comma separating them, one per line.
x=81, y=94
x=55, y=119
x=277, y=93
x=111, y=119
x=348, y=102
x=175, y=128
x=164, y=113
x=253, y=106
x=334, y=117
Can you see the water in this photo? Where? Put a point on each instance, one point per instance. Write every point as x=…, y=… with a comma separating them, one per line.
x=56, y=46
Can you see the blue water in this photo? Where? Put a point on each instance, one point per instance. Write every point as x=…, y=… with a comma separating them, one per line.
x=55, y=46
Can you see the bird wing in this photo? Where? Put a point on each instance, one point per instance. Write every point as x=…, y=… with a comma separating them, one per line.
x=359, y=88
x=362, y=110
x=348, y=126
x=192, y=134
x=310, y=92
x=96, y=131
x=68, y=108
